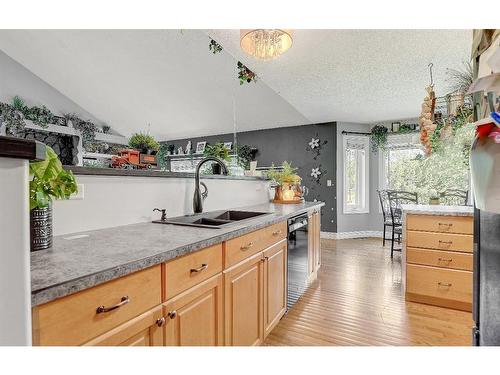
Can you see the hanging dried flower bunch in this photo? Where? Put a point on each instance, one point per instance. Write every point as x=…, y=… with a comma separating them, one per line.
x=427, y=126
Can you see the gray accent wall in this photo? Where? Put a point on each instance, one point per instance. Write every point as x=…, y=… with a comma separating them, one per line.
x=373, y=220
x=292, y=144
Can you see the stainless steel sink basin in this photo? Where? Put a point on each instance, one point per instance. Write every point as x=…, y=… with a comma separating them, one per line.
x=215, y=219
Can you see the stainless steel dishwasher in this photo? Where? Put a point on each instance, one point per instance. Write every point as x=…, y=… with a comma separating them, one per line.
x=297, y=258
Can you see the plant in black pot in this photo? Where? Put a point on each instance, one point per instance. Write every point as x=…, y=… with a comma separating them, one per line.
x=145, y=143
x=50, y=180
x=219, y=151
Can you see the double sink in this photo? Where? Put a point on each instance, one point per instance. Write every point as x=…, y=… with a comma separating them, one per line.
x=214, y=219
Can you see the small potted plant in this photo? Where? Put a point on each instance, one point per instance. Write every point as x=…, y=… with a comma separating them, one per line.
x=434, y=198
x=50, y=180
x=145, y=143
x=286, y=181
x=219, y=151
x=378, y=137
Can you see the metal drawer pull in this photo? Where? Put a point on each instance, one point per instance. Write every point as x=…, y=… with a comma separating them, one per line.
x=160, y=321
x=444, y=284
x=446, y=242
x=445, y=260
x=277, y=232
x=446, y=224
x=246, y=247
x=203, y=267
x=102, y=309
x=172, y=314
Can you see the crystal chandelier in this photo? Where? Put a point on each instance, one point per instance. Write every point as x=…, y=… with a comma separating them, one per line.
x=265, y=44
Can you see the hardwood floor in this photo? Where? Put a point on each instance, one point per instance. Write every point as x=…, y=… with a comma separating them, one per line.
x=358, y=299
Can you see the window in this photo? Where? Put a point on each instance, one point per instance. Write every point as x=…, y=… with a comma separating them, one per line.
x=356, y=180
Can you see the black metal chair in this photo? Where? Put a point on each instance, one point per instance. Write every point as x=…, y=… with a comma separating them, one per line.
x=386, y=212
x=454, y=197
x=396, y=200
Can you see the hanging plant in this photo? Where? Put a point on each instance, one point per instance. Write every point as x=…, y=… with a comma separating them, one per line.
x=214, y=46
x=245, y=74
x=378, y=137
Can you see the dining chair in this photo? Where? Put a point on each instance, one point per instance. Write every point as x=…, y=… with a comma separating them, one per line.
x=396, y=200
x=454, y=197
x=386, y=212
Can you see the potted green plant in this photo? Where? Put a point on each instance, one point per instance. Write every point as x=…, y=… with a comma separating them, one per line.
x=219, y=151
x=145, y=143
x=50, y=180
x=434, y=197
x=378, y=137
x=285, y=179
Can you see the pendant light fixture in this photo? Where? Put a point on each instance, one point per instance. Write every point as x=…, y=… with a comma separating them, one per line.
x=265, y=44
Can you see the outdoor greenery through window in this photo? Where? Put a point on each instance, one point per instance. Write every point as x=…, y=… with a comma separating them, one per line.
x=356, y=154
x=406, y=168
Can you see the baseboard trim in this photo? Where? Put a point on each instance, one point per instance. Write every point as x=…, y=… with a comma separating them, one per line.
x=346, y=235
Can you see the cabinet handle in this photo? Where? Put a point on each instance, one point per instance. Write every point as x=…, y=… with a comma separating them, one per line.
x=445, y=242
x=445, y=260
x=172, y=314
x=203, y=267
x=277, y=232
x=160, y=321
x=446, y=224
x=247, y=246
x=444, y=284
x=102, y=309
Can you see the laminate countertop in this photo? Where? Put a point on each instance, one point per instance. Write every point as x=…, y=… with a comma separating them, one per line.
x=82, y=260
x=430, y=209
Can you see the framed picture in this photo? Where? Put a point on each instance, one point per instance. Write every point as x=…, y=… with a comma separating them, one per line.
x=200, y=147
x=395, y=127
x=228, y=145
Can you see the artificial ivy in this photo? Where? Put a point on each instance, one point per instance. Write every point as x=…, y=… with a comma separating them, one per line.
x=245, y=74
x=214, y=46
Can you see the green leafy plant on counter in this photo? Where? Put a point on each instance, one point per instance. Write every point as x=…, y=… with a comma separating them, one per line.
x=286, y=174
x=378, y=137
x=218, y=150
x=50, y=180
x=143, y=142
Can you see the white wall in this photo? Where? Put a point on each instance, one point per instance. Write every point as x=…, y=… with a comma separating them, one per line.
x=15, y=79
x=118, y=200
x=371, y=221
x=15, y=286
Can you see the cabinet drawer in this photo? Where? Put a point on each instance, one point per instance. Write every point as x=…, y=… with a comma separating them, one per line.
x=440, y=241
x=443, y=224
x=75, y=319
x=242, y=247
x=438, y=258
x=144, y=330
x=440, y=283
x=183, y=273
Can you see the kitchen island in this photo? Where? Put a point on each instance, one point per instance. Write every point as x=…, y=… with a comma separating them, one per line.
x=437, y=255
x=221, y=286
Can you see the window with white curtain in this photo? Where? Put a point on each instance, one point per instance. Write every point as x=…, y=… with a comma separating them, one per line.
x=356, y=174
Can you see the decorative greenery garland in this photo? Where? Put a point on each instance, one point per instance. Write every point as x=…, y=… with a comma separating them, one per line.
x=214, y=46
x=245, y=74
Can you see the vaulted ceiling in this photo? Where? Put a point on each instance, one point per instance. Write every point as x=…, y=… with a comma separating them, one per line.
x=169, y=82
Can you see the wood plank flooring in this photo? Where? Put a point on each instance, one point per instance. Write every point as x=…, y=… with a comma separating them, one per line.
x=358, y=299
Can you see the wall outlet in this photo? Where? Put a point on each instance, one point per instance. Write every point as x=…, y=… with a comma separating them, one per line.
x=328, y=182
x=81, y=193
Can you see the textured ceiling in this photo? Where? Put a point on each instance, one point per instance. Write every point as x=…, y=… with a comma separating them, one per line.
x=166, y=78
x=358, y=75
x=170, y=80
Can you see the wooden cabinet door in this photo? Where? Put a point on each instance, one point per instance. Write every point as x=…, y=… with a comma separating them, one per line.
x=143, y=330
x=195, y=317
x=274, y=285
x=317, y=240
x=243, y=299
